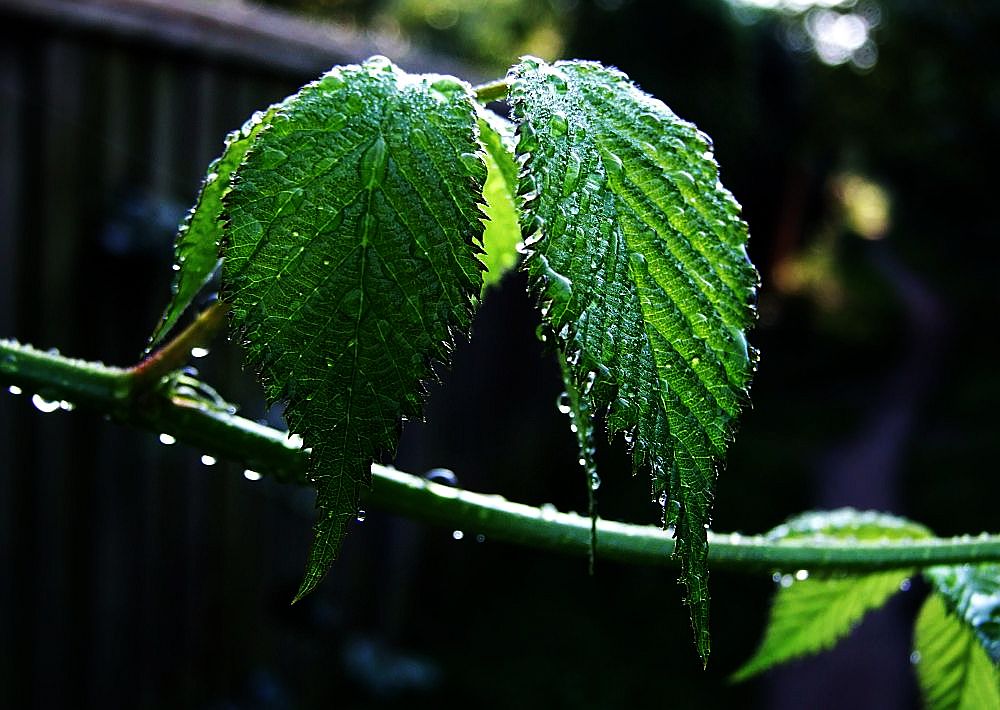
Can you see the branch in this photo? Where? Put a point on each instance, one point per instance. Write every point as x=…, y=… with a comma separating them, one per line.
x=214, y=429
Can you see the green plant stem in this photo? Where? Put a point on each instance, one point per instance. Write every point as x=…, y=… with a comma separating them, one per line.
x=209, y=428
x=492, y=91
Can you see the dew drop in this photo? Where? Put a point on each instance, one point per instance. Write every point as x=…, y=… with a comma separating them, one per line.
x=557, y=82
x=904, y=586
x=44, y=405
x=533, y=239
x=786, y=581
x=595, y=481
x=802, y=575
x=176, y=267
x=915, y=658
x=207, y=460
x=458, y=535
x=14, y=389
x=548, y=511
x=572, y=178
x=563, y=403
x=66, y=406
x=374, y=163
x=199, y=352
x=251, y=475
x=480, y=538
x=361, y=516
x=612, y=164
x=419, y=138
x=558, y=125
x=443, y=476
x=167, y=439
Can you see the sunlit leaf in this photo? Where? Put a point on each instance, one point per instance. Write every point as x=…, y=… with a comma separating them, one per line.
x=953, y=670
x=350, y=264
x=196, y=251
x=638, y=258
x=973, y=593
x=813, y=611
x=503, y=231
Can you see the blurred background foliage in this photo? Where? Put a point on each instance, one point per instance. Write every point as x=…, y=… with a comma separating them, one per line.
x=860, y=136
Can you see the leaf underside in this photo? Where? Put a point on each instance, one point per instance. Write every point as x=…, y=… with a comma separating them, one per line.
x=196, y=251
x=350, y=264
x=502, y=234
x=638, y=259
x=972, y=592
x=812, y=612
x=953, y=669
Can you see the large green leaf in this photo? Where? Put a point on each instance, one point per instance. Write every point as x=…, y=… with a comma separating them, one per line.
x=813, y=611
x=350, y=264
x=953, y=669
x=973, y=593
x=196, y=251
x=638, y=259
x=502, y=235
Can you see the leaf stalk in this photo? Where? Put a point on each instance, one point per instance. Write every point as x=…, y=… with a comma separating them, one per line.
x=119, y=393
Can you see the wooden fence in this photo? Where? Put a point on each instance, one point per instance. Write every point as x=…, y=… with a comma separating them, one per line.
x=129, y=572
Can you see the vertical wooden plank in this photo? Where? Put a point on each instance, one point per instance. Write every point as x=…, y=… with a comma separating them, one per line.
x=11, y=96
x=58, y=239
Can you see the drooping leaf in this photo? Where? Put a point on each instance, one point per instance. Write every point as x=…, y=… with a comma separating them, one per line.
x=196, y=251
x=953, y=670
x=503, y=231
x=813, y=611
x=972, y=592
x=639, y=262
x=350, y=264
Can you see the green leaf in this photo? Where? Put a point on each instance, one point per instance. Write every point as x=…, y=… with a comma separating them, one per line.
x=503, y=231
x=973, y=593
x=350, y=264
x=849, y=524
x=196, y=250
x=812, y=612
x=638, y=259
x=953, y=670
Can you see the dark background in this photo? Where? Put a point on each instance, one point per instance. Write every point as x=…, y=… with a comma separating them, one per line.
x=133, y=576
